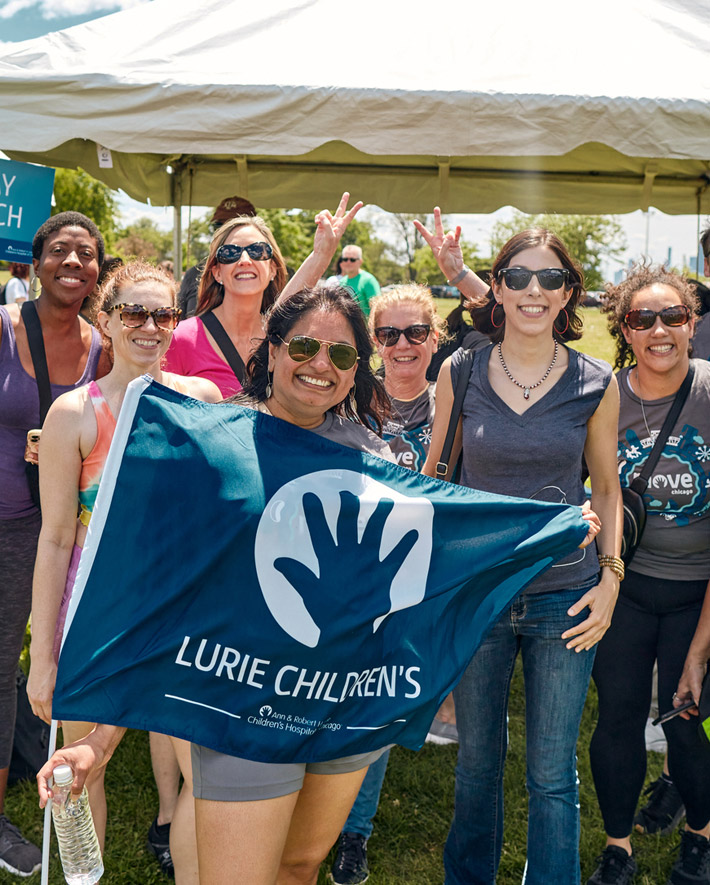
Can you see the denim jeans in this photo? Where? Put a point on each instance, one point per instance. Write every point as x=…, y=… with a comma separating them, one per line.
x=556, y=682
x=364, y=808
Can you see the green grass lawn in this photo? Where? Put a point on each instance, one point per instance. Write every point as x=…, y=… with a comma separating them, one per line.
x=417, y=798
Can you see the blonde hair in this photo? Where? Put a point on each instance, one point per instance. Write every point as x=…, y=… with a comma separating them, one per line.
x=408, y=293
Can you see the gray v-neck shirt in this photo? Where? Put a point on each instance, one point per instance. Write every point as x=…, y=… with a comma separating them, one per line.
x=537, y=454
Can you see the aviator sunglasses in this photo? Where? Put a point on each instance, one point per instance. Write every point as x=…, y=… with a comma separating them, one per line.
x=302, y=348
x=133, y=316
x=643, y=318
x=550, y=278
x=229, y=253
x=388, y=336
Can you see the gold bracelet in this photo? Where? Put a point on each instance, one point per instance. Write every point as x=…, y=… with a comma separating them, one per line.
x=614, y=563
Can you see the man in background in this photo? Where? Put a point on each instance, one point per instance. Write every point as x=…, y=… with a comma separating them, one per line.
x=362, y=284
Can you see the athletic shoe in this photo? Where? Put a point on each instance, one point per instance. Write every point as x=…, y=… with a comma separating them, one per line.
x=616, y=867
x=663, y=811
x=442, y=733
x=693, y=864
x=17, y=855
x=350, y=864
x=159, y=845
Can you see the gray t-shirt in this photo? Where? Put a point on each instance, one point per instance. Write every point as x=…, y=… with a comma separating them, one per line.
x=407, y=431
x=537, y=454
x=675, y=544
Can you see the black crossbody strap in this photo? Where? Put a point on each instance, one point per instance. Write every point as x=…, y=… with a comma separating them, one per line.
x=224, y=342
x=465, y=370
x=35, y=340
x=639, y=484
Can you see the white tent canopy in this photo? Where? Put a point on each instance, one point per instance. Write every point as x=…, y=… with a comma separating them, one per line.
x=549, y=106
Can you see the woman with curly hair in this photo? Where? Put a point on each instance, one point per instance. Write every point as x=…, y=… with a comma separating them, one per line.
x=652, y=317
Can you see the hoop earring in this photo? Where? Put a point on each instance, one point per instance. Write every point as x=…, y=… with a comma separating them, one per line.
x=493, y=310
x=269, y=384
x=35, y=290
x=562, y=331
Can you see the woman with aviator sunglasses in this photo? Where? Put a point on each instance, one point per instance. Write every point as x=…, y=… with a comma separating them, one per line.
x=532, y=409
x=244, y=275
x=652, y=315
x=136, y=316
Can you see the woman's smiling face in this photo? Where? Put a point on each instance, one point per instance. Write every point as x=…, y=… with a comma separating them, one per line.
x=304, y=391
x=660, y=348
x=404, y=361
x=247, y=276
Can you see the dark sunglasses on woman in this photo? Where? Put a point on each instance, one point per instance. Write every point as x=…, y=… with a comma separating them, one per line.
x=229, y=253
x=133, y=316
x=643, y=318
x=388, y=336
x=550, y=278
x=302, y=348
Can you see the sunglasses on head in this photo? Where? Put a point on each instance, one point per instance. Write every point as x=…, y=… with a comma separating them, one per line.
x=519, y=277
x=642, y=318
x=350, y=259
x=229, y=253
x=302, y=348
x=133, y=316
x=417, y=333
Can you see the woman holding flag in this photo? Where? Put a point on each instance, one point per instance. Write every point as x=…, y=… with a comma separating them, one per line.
x=136, y=316
x=532, y=409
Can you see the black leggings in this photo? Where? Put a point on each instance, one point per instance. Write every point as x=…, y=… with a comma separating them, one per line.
x=654, y=620
x=18, y=548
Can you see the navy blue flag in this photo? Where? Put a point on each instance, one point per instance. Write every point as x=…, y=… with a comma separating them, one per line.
x=258, y=589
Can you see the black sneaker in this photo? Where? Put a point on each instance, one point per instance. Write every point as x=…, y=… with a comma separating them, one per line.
x=17, y=855
x=663, y=811
x=616, y=867
x=693, y=864
x=159, y=845
x=350, y=864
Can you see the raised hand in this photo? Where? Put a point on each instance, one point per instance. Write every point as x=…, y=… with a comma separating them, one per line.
x=444, y=246
x=340, y=559
x=330, y=228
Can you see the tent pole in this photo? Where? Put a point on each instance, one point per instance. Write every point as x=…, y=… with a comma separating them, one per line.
x=177, y=222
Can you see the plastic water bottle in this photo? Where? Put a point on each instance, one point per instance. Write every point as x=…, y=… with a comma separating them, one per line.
x=78, y=843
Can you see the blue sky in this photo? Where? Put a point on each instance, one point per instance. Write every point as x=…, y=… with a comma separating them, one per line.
x=24, y=19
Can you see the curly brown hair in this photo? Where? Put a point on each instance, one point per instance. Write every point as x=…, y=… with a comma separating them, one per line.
x=617, y=301
x=529, y=239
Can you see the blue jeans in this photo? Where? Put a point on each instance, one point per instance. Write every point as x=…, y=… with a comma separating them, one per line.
x=365, y=806
x=556, y=682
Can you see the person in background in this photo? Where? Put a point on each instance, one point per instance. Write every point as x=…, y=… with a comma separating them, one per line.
x=651, y=317
x=229, y=208
x=406, y=329
x=359, y=282
x=67, y=253
x=17, y=288
x=701, y=336
x=336, y=278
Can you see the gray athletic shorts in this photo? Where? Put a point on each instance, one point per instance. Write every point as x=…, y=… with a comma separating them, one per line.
x=231, y=779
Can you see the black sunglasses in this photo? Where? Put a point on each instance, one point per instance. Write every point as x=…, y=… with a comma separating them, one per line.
x=550, y=278
x=133, y=316
x=415, y=334
x=643, y=318
x=302, y=348
x=351, y=259
x=229, y=253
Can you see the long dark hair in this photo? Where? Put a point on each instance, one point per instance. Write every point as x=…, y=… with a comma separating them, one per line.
x=481, y=312
x=371, y=401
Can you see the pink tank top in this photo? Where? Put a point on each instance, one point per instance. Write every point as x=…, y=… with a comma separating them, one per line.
x=93, y=465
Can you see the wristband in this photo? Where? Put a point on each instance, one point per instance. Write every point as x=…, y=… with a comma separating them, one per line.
x=614, y=563
x=459, y=276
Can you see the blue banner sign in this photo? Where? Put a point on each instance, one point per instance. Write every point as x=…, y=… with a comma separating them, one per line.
x=25, y=203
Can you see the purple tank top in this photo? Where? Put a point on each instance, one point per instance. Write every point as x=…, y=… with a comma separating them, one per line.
x=19, y=412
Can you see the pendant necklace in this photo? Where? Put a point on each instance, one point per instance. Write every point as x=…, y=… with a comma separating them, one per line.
x=643, y=411
x=526, y=388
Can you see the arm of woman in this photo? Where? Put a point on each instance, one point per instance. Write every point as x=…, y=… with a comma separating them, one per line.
x=329, y=230
x=444, y=404
x=696, y=661
x=600, y=454
x=83, y=756
x=447, y=250
x=59, y=471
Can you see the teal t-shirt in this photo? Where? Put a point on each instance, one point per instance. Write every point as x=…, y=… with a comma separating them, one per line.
x=364, y=288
